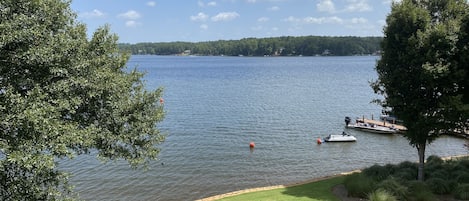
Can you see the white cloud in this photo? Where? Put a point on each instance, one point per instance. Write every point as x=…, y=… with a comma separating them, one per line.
x=263, y=19
x=225, y=16
x=323, y=20
x=388, y=2
x=291, y=19
x=93, y=14
x=212, y=3
x=204, y=26
x=326, y=6
x=274, y=8
x=270, y=1
x=352, y=6
x=151, y=4
x=315, y=20
x=131, y=23
x=202, y=4
x=358, y=5
x=130, y=15
x=199, y=17
x=257, y=28
x=359, y=20
x=381, y=23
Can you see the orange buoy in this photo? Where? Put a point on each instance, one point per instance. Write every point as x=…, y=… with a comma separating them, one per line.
x=319, y=141
x=252, y=145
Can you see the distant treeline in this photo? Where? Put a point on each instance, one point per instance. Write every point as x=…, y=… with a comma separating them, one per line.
x=277, y=46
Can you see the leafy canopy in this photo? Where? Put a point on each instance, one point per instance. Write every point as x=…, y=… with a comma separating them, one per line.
x=422, y=73
x=62, y=95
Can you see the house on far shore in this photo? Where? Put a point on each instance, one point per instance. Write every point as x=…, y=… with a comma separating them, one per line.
x=326, y=53
x=185, y=53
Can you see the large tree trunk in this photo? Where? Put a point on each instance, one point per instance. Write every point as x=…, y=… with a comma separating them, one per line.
x=421, y=150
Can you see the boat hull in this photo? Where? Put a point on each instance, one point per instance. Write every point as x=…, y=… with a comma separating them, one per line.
x=372, y=128
x=340, y=138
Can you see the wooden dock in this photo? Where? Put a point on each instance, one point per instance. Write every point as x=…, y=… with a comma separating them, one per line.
x=401, y=128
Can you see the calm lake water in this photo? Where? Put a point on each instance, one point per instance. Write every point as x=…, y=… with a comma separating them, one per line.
x=217, y=105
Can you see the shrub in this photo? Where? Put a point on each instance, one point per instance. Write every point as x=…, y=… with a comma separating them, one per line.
x=452, y=184
x=440, y=173
x=358, y=185
x=393, y=186
x=407, y=170
x=434, y=164
x=455, y=173
x=377, y=172
x=463, y=177
x=406, y=174
x=462, y=192
x=391, y=168
x=434, y=160
x=439, y=186
x=419, y=191
x=464, y=163
x=461, y=165
x=407, y=164
x=381, y=195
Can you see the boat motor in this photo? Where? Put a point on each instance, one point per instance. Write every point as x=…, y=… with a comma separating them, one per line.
x=347, y=121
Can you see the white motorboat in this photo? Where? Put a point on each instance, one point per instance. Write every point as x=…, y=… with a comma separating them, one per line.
x=344, y=137
x=373, y=128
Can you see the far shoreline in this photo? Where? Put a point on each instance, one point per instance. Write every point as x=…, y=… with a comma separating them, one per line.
x=253, y=56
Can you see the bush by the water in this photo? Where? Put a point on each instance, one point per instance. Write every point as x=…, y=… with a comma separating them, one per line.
x=393, y=186
x=358, y=185
x=463, y=177
x=419, y=191
x=462, y=192
x=439, y=186
x=443, y=177
x=378, y=172
x=381, y=195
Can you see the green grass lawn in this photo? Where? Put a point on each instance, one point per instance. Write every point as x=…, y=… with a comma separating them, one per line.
x=399, y=179
x=314, y=191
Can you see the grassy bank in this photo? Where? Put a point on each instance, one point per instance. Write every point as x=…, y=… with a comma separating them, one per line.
x=447, y=177
x=312, y=191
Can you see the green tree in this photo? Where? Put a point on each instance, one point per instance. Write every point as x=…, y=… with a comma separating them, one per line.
x=418, y=74
x=462, y=64
x=62, y=95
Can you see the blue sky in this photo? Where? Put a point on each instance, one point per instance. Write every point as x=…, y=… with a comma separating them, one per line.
x=211, y=20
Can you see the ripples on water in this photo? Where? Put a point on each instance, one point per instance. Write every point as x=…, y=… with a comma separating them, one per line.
x=217, y=105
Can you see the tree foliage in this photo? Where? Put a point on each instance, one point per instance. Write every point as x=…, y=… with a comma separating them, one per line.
x=278, y=46
x=422, y=71
x=62, y=95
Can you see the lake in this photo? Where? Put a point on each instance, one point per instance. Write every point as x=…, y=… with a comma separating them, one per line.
x=216, y=106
